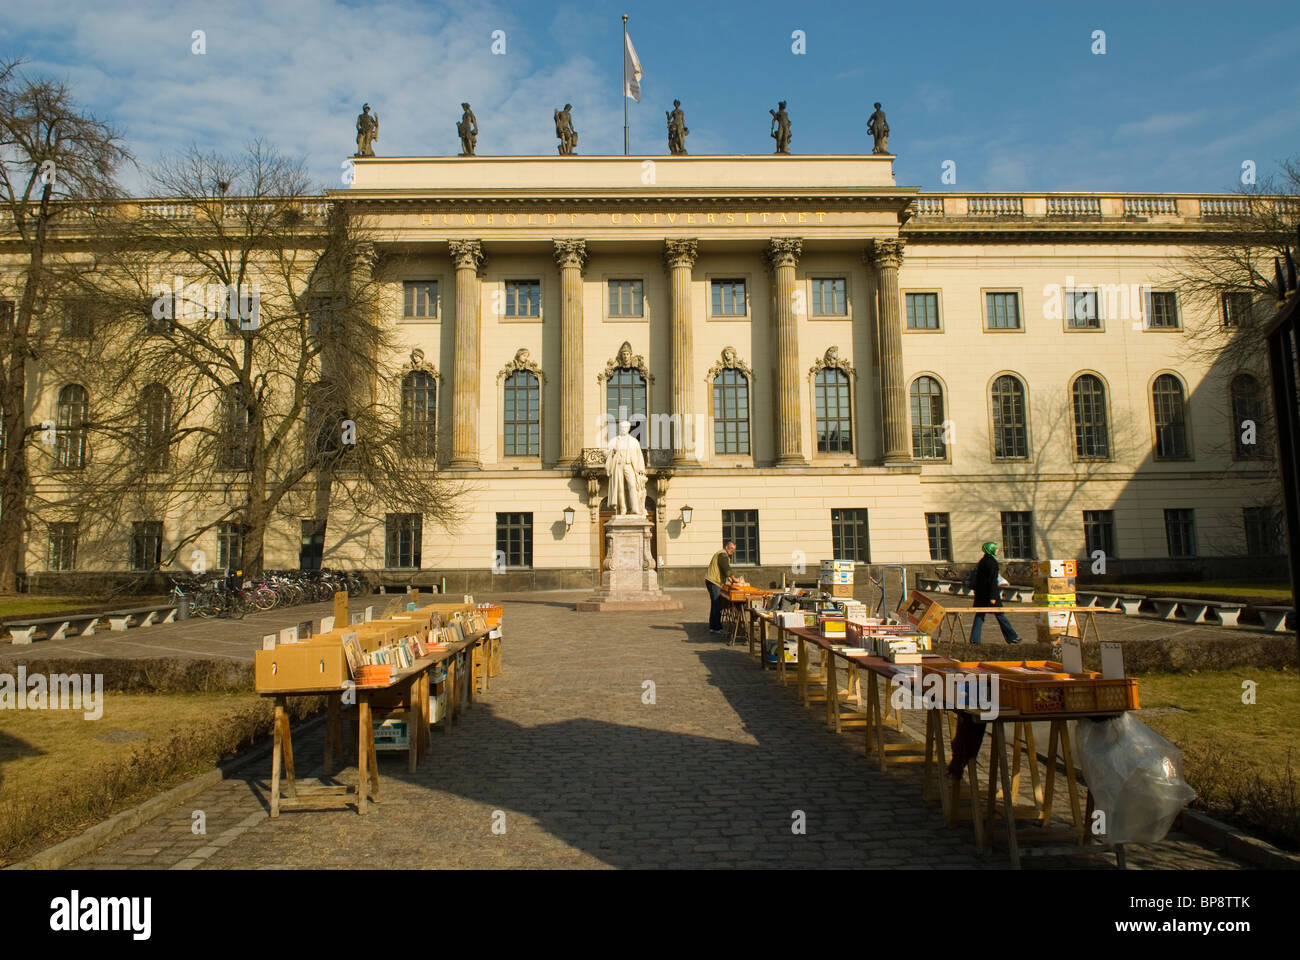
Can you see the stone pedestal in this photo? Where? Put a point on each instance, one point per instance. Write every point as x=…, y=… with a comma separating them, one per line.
x=629, y=581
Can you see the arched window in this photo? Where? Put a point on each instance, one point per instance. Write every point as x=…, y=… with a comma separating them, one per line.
x=834, y=415
x=1170, y=416
x=1247, y=418
x=420, y=413
x=927, y=420
x=1091, y=436
x=522, y=420
x=731, y=411
x=1010, y=425
x=70, y=436
x=625, y=395
x=155, y=426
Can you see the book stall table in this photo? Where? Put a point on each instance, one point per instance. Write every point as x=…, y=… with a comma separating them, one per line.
x=391, y=667
x=948, y=624
x=1029, y=692
x=737, y=602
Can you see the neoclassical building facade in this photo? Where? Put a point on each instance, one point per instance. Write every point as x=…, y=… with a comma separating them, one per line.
x=820, y=363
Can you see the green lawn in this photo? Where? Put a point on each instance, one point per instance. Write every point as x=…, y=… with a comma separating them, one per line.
x=1270, y=593
x=29, y=605
x=1241, y=758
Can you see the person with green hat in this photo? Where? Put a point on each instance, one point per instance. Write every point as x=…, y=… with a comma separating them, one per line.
x=987, y=594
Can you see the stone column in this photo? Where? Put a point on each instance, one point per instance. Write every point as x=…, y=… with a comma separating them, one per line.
x=467, y=255
x=782, y=256
x=571, y=255
x=679, y=258
x=887, y=256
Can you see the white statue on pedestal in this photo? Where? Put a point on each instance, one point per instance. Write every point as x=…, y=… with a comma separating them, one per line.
x=625, y=467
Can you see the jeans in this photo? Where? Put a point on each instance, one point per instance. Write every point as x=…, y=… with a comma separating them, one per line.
x=977, y=627
x=715, y=604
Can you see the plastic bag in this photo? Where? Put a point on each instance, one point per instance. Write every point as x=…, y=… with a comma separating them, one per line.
x=1135, y=775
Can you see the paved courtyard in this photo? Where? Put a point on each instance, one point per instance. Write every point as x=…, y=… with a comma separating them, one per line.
x=566, y=755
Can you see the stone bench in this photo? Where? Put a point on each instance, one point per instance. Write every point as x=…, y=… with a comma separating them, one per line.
x=1274, y=618
x=24, y=629
x=1227, y=612
x=120, y=620
x=1165, y=607
x=1128, y=602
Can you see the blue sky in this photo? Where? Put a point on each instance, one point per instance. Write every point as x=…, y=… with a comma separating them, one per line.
x=1010, y=92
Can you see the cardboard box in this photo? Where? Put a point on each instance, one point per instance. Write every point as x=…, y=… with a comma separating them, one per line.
x=923, y=613
x=1055, y=568
x=1053, y=599
x=307, y=665
x=1055, y=584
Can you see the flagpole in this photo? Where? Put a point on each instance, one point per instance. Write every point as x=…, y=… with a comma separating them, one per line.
x=625, y=137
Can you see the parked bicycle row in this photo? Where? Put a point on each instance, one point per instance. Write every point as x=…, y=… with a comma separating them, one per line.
x=233, y=596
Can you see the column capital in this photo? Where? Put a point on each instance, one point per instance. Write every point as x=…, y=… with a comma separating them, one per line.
x=681, y=253
x=783, y=252
x=570, y=253
x=467, y=254
x=886, y=253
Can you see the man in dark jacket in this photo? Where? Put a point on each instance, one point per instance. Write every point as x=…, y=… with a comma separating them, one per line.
x=987, y=595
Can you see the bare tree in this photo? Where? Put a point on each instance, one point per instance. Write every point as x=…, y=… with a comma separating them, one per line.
x=1230, y=279
x=244, y=366
x=56, y=162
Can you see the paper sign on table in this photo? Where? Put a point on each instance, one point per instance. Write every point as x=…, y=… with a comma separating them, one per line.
x=326, y=624
x=370, y=614
x=268, y=642
x=1072, y=654
x=1112, y=660
x=304, y=630
x=289, y=635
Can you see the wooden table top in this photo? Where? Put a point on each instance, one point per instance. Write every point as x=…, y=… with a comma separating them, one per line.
x=399, y=677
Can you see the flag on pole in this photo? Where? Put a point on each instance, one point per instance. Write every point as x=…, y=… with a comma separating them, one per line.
x=631, y=70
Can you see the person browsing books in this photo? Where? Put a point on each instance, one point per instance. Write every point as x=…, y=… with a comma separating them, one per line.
x=719, y=573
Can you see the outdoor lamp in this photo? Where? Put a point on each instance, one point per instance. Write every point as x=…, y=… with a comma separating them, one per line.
x=568, y=518
x=686, y=516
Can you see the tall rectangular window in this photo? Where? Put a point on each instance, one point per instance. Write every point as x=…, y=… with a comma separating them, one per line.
x=1263, y=531
x=938, y=528
x=6, y=317
x=922, y=311
x=1162, y=309
x=63, y=546
x=1081, y=311
x=420, y=299
x=324, y=317
x=523, y=298
x=146, y=545
x=1180, y=533
x=731, y=412
x=728, y=298
x=1002, y=311
x=626, y=298
x=741, y=526
x=230, y=545
x=515, y=539
x=78, y=319
x=830, y=298
x=850, y=536
x=1099, y=532
x=1236, y=308
x=402, y=535
x=1018, y=534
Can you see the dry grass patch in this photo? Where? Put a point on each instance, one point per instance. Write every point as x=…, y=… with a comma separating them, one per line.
x=1240, y=758
x=60, y=773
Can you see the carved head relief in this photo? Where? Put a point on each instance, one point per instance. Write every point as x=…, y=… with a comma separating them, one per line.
x=729, y=356
x=625, y=354
x=832, y=355
x=417, y=357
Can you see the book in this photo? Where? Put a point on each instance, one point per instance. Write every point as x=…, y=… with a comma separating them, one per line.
x=352, y=650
